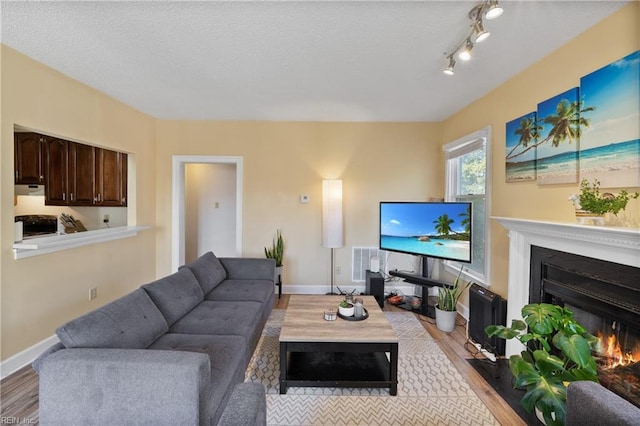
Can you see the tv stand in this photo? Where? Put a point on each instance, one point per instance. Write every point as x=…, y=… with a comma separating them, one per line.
x=426, y=284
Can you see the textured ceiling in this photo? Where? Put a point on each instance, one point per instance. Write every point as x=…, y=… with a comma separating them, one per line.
x=304, y=60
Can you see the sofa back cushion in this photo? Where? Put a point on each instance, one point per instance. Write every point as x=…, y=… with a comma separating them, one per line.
x=131, y=322
x=208, y=270
x=175, y=295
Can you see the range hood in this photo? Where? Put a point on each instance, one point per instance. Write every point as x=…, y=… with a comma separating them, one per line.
x=28, y=189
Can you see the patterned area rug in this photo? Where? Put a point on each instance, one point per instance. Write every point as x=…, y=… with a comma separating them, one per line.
x=431, y=391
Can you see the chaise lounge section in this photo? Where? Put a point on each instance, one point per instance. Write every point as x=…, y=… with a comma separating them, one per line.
x=174, y=351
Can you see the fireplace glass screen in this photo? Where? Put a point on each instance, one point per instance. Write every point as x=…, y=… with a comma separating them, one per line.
x=619, y=360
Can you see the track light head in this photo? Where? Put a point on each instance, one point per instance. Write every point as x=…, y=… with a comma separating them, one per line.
x=465, y=53
x=493, y=10
x=449, y=69
x=481, y=33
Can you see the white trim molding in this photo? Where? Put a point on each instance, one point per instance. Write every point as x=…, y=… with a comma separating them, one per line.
x=612, y=244
x=178, y=202
x=19, y=360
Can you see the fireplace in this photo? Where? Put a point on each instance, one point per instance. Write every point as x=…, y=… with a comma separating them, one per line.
x=620, y=246
x=605, y=298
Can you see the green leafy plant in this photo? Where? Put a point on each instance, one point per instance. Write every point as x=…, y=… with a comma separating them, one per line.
x=558, y=351
x=276, y=251
x=593, y=201
x=345, y=303
x=448, y=295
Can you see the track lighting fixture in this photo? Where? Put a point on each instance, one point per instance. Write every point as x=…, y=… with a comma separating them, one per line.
x=481, y=33
x=452, y=63
x=493, y=10
x=465, y=54
x=488, y=9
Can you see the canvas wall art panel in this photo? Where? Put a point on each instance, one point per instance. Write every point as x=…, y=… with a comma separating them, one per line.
x=521, y=139
x=610, y=146
x=560, y=121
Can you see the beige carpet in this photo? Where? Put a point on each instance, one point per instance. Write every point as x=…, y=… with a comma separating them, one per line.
x=430, y=389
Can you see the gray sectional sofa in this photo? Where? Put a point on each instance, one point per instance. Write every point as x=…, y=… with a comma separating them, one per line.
x=174, y=351
x=589, y=403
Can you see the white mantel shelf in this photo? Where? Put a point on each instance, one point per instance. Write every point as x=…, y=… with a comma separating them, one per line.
x=44, y=245
x=612, y=244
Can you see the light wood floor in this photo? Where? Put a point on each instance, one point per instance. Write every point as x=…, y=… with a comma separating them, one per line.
x=19, y=391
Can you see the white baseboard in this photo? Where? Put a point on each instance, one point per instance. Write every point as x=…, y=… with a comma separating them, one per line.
x=16, y=362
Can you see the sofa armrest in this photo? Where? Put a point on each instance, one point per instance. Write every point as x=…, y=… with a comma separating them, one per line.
x=589, y=403
x=247, y=406
x=242, y=268
x=125, y=386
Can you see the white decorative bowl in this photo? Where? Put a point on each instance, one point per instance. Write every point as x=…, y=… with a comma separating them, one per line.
x=346, y=312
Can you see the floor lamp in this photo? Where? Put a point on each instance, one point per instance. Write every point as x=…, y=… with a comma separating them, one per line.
x=332, y=219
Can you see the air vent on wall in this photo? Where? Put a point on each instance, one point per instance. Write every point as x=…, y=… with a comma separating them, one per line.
x=362, y=261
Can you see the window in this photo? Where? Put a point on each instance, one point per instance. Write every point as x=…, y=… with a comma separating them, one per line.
x=467, y=171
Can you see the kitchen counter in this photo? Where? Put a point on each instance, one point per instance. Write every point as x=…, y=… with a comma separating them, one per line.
x=49, y=244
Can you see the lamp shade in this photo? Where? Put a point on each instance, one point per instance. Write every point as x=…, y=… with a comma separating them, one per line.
x=332, y=213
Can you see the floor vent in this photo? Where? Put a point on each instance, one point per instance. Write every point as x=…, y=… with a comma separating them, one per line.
x=362, y=261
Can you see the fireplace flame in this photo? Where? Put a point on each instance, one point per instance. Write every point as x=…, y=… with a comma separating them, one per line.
x=614, y=355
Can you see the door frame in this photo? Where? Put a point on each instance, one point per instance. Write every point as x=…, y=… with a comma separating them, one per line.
x=178, y=202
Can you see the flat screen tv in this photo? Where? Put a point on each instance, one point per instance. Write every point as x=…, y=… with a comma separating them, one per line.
x=435, y=229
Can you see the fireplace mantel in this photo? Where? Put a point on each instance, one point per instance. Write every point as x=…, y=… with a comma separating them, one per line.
x=613, y=244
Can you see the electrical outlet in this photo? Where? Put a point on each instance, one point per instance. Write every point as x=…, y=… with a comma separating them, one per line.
x=338, y=270
x=93, y=293
x=106, y=218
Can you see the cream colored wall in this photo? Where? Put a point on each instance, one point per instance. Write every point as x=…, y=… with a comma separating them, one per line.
x=42, y=292
x=281, y=161
x=611, y=39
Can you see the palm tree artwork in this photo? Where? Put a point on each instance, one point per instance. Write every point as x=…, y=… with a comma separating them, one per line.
x=544, y=144
x=521, y=138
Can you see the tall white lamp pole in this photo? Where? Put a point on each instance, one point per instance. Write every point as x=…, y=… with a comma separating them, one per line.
x=332, y=235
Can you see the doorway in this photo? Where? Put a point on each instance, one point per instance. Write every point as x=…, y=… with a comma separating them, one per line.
x=206, y=207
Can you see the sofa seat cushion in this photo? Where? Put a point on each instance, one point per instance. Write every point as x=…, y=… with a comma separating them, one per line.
x=208, y=271
x=130, y=322
x=176, y=294
x=242, y=290
x=226, y=354
x=224, y=318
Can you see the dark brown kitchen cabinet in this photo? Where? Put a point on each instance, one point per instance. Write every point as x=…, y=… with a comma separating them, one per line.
x=73, y=174
x=81, y=174
x=28, y=155
x=111, y=178
x=56, y=172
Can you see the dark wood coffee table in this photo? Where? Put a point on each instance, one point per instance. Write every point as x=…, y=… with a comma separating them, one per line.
x=340, y=353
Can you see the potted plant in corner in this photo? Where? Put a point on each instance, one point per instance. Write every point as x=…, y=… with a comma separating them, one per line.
x=276, y=252
x=446, y=312
x=558, y=351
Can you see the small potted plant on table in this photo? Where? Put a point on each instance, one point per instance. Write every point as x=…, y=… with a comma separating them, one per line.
x=346, y=308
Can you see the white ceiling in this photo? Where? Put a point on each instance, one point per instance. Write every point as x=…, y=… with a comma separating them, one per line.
x=304, y=60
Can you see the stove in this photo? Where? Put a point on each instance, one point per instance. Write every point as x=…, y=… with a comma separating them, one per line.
x=35, y=225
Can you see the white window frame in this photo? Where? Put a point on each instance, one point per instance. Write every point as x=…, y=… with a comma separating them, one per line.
x=452, y=151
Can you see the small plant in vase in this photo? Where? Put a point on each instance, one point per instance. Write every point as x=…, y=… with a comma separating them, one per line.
x=591, y=203
x=346, y=308
x=446, y=311
x=276, y=252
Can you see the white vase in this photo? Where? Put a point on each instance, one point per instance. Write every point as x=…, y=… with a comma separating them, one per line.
x=346, y=312
x=446, y=320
